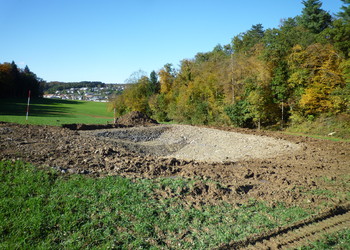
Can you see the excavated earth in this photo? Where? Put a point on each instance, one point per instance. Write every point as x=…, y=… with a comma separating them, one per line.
x=241, y=164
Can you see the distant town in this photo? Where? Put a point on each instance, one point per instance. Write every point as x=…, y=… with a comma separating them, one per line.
x=87, y=91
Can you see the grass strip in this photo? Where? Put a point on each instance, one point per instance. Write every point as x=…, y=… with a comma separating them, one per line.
x=317, y=136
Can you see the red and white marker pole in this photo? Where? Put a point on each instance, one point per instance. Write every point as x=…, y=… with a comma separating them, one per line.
x=28, y=105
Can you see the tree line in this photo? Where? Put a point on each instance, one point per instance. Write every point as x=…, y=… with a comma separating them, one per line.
x=16, y=82
x=292, y=73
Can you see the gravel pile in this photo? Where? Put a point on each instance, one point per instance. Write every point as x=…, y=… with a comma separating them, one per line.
x=212, y=145
x=194, y=143
x=137, y=134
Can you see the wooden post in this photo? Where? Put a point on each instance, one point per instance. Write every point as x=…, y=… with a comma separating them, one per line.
x=115, y=118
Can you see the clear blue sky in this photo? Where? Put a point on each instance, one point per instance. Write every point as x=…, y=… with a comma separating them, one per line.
x=108, y=40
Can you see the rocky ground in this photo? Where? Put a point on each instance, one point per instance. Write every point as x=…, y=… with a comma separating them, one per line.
x=228, y=164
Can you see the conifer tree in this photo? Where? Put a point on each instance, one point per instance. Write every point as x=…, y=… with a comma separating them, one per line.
x=345, y=14
x=313, y=17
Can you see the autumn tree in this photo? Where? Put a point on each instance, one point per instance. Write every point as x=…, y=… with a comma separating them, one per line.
x=15, y=82
x=296, y=71
x=316, y=74
x=166, y=78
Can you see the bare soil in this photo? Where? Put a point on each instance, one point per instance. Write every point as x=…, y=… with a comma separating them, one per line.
x=240, y=164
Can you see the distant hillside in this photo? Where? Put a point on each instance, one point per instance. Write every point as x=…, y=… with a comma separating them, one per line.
x=52, y=87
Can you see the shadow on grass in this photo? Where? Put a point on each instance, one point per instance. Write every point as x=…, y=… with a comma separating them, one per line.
x=38, y=107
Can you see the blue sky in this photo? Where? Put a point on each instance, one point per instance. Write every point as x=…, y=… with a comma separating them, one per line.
x=108, y=40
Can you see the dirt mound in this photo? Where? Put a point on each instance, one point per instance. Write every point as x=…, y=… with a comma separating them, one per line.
x=135, y=118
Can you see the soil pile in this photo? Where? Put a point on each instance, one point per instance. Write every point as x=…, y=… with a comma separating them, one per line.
x=135, y=118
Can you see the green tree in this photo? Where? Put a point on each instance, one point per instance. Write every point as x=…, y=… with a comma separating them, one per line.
x=245, y=42
x=158, y=105
x=280, y=89
x=345, y=13
x=136, y=96
x=313, y=17
x=339, y=36
x=239, y=114
x=154, y=86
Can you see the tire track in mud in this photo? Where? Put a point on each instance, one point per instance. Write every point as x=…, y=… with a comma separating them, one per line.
x=299, y=234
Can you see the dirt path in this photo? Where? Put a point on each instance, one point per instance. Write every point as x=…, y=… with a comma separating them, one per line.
x=300, y=234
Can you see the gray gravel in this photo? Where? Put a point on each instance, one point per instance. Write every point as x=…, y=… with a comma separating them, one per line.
x=194, y=143
x=137, y=134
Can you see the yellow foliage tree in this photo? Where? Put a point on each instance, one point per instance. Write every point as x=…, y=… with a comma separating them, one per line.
x=166, y=78
x=316, y=75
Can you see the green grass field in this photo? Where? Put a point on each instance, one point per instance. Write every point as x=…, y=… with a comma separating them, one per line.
x=54, y=112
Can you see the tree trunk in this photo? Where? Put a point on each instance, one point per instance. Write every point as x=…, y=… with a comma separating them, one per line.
x=232, y=80
x=282, y=121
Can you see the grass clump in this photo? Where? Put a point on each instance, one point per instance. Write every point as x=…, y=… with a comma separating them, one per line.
x=46, y=210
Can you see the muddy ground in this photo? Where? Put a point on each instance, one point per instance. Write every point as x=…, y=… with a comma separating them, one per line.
x=316, y=172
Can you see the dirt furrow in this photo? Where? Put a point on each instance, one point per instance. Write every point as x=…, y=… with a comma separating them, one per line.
x=299, y=234
x=315, y=231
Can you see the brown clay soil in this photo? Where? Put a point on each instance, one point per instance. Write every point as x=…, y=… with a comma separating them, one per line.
x=298, y=171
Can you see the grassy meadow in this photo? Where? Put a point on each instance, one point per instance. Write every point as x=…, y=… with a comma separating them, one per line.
x=54, y=111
